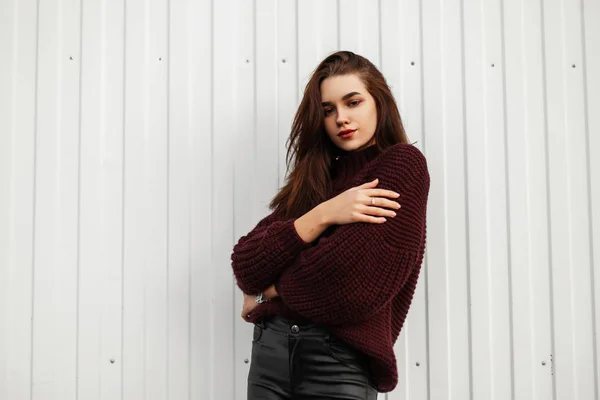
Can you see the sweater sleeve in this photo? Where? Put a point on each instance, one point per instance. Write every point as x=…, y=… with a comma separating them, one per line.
x=350, y=275
x=259, y=257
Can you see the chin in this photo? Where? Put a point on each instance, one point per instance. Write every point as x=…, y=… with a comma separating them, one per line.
x=347, y=146
x=353, y=145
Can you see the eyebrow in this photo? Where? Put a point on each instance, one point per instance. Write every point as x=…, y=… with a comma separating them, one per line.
x=346, y=97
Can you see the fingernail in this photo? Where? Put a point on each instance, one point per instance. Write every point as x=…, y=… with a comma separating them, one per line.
x=397, y=194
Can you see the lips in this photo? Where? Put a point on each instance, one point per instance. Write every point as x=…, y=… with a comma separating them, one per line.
x=347, y=133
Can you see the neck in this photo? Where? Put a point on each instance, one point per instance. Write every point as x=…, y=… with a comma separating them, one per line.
x=346, y=164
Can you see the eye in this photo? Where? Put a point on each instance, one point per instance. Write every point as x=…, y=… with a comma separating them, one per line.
x=327, y=111
x=354, y=103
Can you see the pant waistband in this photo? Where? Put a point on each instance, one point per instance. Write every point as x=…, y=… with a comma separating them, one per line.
x=285, y=325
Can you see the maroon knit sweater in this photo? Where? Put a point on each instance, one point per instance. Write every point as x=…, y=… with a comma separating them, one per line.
x=358, y=279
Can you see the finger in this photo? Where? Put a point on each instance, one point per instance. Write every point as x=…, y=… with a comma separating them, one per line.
x=381, y=202
x=381, y=193
x=370, y=219
x=377, y=211
x=373, y=183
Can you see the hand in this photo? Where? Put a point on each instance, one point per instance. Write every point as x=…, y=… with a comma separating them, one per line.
x=354, y=205
x=270, y=293
x=250, y=301
x=249, y=305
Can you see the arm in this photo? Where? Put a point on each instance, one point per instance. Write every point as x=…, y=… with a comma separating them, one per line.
x=259, y=257
x=352, y=274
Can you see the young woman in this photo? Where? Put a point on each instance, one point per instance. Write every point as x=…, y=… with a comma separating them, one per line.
x=329, y=275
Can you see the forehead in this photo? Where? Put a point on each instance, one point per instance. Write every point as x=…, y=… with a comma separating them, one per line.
x=336, y=87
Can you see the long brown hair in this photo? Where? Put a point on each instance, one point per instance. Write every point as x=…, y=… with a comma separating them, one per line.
x=309, y=146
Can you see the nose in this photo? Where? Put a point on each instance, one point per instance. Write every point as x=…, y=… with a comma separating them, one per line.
x=342, y=118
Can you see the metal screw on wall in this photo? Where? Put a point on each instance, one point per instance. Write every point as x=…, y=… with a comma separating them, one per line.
x=246, y=360
x=418, y=364
x=112, y=360
x=543, y=362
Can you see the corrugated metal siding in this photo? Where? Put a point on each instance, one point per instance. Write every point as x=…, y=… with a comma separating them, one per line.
x=140, y=139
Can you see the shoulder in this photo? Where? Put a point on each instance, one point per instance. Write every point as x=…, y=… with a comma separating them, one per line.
x=402, y=162
x=404, y=153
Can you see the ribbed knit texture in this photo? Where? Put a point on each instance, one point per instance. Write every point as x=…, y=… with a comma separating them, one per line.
x=358, y=280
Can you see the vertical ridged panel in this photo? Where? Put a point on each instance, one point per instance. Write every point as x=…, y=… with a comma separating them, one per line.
x=140, y=139
x=590, y=35
x=200, y=113
x=526, y=142
x=57, y=202
x=227, y=58
x=18, y=107
x=569, y=219
x=101, y=201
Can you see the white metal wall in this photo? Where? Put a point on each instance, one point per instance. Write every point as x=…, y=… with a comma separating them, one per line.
x=140, y=138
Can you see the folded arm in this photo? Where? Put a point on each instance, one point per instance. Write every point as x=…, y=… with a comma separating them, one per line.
x=360, y=267
x=259, y=257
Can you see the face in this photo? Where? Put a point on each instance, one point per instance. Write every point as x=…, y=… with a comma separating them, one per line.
x=350, y=113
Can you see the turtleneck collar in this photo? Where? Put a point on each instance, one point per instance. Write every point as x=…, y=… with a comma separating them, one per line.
x=367, y=154
x=346, y=164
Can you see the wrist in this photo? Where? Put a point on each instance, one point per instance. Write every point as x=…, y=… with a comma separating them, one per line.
x=270, y=293
x=312, y=224
x=321, y=216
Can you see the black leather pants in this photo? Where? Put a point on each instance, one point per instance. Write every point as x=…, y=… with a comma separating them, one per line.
x=296, y=361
